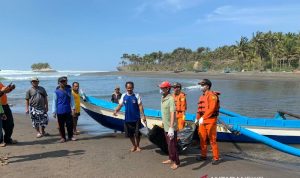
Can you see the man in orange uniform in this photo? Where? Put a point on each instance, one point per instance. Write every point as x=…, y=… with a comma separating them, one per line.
x=208, y=111
x=8, y=124
x=180, y=102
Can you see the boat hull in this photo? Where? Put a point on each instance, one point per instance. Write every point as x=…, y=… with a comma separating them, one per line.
x=105, y=117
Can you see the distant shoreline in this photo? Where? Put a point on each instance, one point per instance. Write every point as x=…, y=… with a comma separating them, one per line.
x=259, y=76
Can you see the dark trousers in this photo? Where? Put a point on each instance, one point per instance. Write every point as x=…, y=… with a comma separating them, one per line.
x=7, y=125
x=65, y=120
x=172, y=148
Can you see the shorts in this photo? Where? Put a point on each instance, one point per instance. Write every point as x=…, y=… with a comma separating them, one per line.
x=132, y=128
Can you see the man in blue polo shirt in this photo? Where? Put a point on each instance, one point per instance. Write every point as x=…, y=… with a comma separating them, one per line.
x=133, y=112
x=63, y=108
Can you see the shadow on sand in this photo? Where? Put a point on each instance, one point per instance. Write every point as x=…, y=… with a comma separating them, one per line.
x=50, y=154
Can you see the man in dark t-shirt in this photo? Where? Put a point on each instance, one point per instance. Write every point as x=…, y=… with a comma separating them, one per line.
x=37, y=106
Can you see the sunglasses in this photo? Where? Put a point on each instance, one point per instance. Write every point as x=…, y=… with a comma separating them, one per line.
x=34, y=81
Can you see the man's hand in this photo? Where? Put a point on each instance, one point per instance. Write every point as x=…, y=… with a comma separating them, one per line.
x=5, y=89
x=201, y=120
x=3, y=117
x=73, y=113
x=171, y=133
x=115, y=113
x=144, y=118
x=27, y=111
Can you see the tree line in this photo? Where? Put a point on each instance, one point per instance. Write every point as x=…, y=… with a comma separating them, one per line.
x=265, y=51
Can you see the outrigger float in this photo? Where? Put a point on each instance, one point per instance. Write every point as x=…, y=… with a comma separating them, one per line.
x=232, y=127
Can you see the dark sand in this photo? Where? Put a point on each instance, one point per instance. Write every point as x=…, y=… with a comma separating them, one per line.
x=109, y=156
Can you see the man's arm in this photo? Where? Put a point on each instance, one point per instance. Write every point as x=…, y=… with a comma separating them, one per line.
x=27, y=106
x=54, y=106
x=118, y=108
x=46, y=104
x=142, y=111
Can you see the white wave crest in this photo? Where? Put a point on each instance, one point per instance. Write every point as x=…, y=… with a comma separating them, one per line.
x=27, y=75
x=194, y=87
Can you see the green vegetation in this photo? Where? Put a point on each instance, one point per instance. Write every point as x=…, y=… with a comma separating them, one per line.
x=270, y=51
x=40, y=66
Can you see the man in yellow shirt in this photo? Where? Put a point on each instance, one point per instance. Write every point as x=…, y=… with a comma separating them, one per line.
x=76, y=95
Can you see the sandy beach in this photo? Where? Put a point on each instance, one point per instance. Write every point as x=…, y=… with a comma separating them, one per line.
x=256, y=76
x=108, y=156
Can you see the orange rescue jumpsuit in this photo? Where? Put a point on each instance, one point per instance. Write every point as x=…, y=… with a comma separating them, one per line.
x=180, y=102
x=208, y=109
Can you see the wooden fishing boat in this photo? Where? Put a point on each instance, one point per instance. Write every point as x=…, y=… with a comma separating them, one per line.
x=277, y=128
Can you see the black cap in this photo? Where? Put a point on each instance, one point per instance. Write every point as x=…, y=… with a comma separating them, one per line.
x=205, y=82
x=60, y=79
x=176, y=84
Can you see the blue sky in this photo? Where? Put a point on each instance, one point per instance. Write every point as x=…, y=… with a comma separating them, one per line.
x=93, y=34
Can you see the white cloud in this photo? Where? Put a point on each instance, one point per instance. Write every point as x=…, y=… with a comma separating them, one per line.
x=254, y=15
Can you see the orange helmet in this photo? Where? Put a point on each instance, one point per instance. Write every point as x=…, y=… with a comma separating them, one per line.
x=165, y=84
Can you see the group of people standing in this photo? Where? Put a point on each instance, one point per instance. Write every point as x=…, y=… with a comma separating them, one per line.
x=173, y=108
x=66, y=108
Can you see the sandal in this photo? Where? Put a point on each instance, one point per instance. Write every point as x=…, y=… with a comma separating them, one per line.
x=39, y=135
x=2, y=144
x=73, y=139
x=46, y=134
x=12, y=142
x=62, y=140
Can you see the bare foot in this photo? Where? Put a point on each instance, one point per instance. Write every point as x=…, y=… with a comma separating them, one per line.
x=138, y=149
x=167, y=162
x=174, y=166
x=133, y=149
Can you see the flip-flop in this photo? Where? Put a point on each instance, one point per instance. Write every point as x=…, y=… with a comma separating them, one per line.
x=167, y=162
x=73, y=139
x=62, y=140
x=39, y=135
x=46, y=134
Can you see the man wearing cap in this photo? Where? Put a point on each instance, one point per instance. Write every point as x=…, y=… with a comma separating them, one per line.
x=207, y=116
x=116, y=96
x=37, y=107
x=8, y=124
x=180, y=102
x=170, y=124
x=63, y=108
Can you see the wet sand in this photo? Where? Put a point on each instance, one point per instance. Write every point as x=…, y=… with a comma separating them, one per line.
x=108, y=156
x=259, y=76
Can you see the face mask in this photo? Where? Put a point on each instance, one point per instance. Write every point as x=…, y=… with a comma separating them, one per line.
x=202, y=88
x=160, y=91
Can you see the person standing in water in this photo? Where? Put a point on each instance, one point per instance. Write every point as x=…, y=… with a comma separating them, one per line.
x=116, y=96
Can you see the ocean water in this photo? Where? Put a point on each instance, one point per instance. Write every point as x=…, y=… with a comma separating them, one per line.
x=251, y=98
